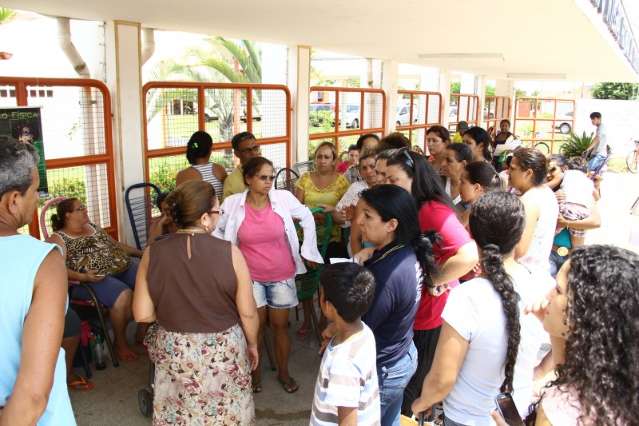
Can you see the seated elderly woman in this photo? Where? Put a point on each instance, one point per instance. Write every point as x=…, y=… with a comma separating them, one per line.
x=93, y=257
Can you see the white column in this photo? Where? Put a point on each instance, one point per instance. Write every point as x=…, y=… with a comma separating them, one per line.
x=390, y=84
x=444, y=89
x=125, y=82
x=480, y=90
x=507, y=88
x=299, y=76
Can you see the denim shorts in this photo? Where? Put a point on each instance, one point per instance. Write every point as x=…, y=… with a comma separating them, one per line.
x=275, y=294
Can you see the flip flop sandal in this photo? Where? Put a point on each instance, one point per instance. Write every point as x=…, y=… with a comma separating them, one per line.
x=289, y=386
x=80, y=384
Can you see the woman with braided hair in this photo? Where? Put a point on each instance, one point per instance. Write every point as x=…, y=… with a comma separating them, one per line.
x=486, y=346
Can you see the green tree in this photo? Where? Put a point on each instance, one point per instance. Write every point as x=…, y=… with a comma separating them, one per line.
x=219, y=59
x=455, y=87
x=490, y=90
x=612, y=90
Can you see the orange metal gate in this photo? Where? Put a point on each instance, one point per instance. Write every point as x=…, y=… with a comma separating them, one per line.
x=342, y=114
x=544, y=122
x=174, y=110
x=496, y=109
x=416, y=112
x=463, y=107
x=78, y=141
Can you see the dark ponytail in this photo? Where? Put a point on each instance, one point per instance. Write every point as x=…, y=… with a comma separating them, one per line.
x=423, y=246
x=497, y=222
x=59, y=218
x=493, y=268
x=481, y=137
x=199, y=146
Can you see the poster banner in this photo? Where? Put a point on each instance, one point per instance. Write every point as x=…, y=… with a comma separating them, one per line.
x=25, y=124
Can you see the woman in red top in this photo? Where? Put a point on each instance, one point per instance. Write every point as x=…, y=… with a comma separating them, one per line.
x=455, y=254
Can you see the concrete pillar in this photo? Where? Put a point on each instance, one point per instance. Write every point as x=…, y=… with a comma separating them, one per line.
x=506, y=88
x=444, y=89
x=390, y=85
x=299, y=77
x=480, y=90
x=123, y=47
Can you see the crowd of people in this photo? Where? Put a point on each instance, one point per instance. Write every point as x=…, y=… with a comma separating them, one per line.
x=465, y=286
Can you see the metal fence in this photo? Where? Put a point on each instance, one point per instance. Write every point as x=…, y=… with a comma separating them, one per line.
x=174, y=110
x=77, y=138
x=416, y=112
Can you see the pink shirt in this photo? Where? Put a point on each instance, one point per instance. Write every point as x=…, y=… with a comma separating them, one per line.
x=262, y=241
x=438, y=217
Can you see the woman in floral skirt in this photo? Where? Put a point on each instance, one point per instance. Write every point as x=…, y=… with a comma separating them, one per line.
x=198, y=290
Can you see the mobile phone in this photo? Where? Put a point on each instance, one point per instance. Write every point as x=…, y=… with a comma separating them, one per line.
x=508, y=410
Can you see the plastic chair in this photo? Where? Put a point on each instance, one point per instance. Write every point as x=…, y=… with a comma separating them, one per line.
x=92, y=304
x=308, y=283
x=139, y=202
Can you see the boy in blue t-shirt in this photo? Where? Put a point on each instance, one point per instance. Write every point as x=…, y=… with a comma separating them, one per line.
x=346, y=391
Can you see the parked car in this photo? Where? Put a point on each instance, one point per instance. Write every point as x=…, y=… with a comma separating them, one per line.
x=403, y=115
x=565, y=126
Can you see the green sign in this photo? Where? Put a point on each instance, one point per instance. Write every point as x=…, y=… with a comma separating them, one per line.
x=25, y=124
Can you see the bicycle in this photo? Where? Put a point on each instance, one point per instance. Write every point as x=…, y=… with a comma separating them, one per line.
x=632, y=159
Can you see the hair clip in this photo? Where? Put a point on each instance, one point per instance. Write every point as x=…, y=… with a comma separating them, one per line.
x=195, y=145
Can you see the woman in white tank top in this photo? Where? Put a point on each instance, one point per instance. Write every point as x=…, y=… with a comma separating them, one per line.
x=528, y=170
x=198, y=153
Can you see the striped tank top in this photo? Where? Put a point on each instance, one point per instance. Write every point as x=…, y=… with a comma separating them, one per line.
x=206, y=171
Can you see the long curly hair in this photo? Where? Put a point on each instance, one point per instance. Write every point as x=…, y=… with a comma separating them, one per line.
x=497, y=222
x=602, y=344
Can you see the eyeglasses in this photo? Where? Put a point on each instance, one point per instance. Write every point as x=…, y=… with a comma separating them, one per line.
x=26, y=131
x=255, y=148
x=266, y=178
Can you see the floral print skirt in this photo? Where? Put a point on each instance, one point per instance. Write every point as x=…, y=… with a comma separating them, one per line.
x=201, y=378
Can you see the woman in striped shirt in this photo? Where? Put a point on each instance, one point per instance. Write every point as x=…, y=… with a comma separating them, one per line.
x=198, y=153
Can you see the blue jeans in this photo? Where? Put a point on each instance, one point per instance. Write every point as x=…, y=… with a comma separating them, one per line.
x=596, y=163
x=392, y=381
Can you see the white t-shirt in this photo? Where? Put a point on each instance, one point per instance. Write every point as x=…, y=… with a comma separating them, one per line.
x=348, y=378
x=475, y=311
x=602, y=133
x=536, y=258
x=578, y=188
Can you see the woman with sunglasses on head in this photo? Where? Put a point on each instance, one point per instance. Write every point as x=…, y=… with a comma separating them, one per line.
x=107, y=266
x=198, y=291
x=455, y=254
x=198, y=153
x=260, y=222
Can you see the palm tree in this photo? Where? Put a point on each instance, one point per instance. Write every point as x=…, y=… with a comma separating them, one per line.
x=236, y=62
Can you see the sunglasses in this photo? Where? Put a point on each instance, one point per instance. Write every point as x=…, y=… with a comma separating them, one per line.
x=266, y=178
x=409, y=160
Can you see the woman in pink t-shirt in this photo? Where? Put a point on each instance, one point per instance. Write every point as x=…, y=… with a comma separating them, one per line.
x=260, y=222
x=455, y=254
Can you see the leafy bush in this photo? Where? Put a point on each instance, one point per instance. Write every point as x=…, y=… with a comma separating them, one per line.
x=611, y=90
x=575, y=145
x=68, y=187
x=325, y=120
x=164, y=176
